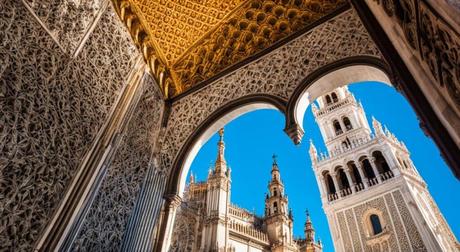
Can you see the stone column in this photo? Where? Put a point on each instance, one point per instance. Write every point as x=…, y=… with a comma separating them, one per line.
x=323, y=187
x=361, y=174
x=172, y=202
x=336, y=184
x=376, y=171
x=350, y=181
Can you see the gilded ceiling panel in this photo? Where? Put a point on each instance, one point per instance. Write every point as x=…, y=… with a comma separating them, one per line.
x=177, y=24
x=186, y=42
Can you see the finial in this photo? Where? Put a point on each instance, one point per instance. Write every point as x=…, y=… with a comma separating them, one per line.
x=221, y=133
x=274, y=158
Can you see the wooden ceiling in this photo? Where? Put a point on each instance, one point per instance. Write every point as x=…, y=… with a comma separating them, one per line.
x=186, y=42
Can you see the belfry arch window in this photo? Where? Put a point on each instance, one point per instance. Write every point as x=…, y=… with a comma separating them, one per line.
x=328, y=99
x=334, y=97
x=375, y=224
x=329, y=184
x=380, y=162
x=347, y=123
x=275, y=207
x=337, y=127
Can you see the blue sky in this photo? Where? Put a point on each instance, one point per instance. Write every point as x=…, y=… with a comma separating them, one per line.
x=251, y=140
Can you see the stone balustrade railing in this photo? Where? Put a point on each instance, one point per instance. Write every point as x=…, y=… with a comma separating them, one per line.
x=249, y=231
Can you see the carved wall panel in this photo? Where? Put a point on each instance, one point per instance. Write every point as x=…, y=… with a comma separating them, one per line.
x=278, y=74
x=403, y=240
x=185, y=230
x=67, y=21
x=52, y=106
x=414, y=235
x=433, y=39
x=106, y=221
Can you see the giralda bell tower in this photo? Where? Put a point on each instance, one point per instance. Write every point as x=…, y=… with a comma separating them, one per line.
x=372, y=194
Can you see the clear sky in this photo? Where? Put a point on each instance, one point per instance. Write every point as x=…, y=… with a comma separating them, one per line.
x=251, y=140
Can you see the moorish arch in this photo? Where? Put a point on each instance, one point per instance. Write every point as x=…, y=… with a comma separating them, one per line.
x=328, y=78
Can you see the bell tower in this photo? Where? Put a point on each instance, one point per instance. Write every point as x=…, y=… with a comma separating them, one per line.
x=215, y=231
x=372, y=194
x=277, y=217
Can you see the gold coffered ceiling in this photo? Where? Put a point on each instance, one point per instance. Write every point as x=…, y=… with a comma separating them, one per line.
x=186, y=42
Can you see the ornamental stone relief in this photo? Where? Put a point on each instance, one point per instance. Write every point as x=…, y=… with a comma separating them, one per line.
x=67, y=21
x=185, y=230
x=53, y=106
x=414, y=235
x=278, y=74
x=106, y=221
x=403, y=240
x=436, y=44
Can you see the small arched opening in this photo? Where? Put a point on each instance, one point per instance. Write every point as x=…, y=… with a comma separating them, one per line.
x=328, y=99
x=334, y=97
x=337, y=128
x=329, y=183
x=367, y=168
x=375, y=224
x=380, y=162
x=342, y=178
x=347, y=123
x=355, y=176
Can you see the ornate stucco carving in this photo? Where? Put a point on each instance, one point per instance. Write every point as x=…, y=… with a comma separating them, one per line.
x=278, y=74
x=433, y=39
x=53, y=105
x=67, y=21
x=106, y=221
x=192, y=41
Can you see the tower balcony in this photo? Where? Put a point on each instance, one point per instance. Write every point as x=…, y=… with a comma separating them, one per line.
x=360, y=187
x=334, y=106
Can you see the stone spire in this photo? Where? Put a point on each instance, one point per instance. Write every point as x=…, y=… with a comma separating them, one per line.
x=221, y=164
x=192, y=178
x=378, y=130
x=309, y=230
x=275, y=170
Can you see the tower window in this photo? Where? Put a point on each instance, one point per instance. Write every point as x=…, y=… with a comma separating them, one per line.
x=334, y=97
x=328, y=99
x=275, y=207
x=376, y=225
x=347, y=123
x=337, y=128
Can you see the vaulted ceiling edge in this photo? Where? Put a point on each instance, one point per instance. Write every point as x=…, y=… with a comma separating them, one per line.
x=188, y=42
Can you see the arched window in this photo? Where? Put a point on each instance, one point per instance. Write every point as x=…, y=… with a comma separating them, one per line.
x=380, y=162
x=343, y=179
x=345, y=145
x=368, y=171
x=334, y=97
x=376, y=225
x=337, y=128
x=275, y=207
x=347, y=123
x=275, y=193
x=330, y=184
x=328, y=99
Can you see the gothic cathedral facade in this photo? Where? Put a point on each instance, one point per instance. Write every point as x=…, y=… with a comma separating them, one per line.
x=208, y=221
x=372, y=194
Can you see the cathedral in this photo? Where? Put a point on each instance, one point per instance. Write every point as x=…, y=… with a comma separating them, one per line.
x=208, y=221
x=104, y=104
x=372, y=194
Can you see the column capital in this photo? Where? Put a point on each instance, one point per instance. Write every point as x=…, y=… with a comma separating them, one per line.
x=172, y=200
